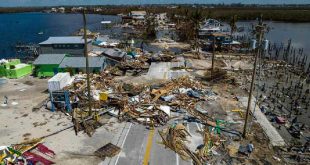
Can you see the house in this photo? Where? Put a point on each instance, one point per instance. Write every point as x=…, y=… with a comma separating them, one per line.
x=89, y=34
x=222, y=39
x=97, y=9
x=210, y=26
x=138, y=15
x=73, y=45
x=78, y=64
x=47, y=65
x=14, y=69
x=61, y=10
x=53, y=10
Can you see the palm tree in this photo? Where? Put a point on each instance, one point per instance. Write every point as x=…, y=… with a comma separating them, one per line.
x=150, y=30
x=233, y=25
x=196, y=17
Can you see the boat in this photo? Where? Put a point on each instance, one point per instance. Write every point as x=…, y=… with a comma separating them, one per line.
x=41, y=33
x=106, y=22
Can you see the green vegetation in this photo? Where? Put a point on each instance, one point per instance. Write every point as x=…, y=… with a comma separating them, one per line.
x=233, y=24
x=245, y=12
x=150, y=32
x=21, y=9
x=195, y=18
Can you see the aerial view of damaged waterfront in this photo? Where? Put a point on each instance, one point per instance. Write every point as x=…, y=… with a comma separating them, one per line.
x=154, y=82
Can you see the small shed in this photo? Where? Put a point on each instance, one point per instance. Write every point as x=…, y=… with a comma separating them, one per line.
x=15, y=69
x=47, y=65
x=78, y=64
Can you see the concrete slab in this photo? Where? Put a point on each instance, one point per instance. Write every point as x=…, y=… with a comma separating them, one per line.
x=273, y=135
x=163, y=70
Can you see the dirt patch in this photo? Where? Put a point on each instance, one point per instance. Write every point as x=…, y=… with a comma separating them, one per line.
x=36, y=124
x=26, y=134
x=25, y=115
x=30, y=83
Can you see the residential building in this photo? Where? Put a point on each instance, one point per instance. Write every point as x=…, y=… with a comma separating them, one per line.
x=138, y=15
x=73, y=45
x=78, y=64
x=53, y=10
x=61, y=10
x=47, y=65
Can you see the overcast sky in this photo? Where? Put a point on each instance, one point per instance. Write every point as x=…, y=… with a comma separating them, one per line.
x=12, y=3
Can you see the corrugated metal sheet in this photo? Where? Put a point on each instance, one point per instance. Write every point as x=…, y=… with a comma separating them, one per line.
x=117, y=53
x=49, y=59
x=80, y=62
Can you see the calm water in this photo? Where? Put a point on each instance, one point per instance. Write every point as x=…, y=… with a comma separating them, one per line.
x=281, y=32
x=24, y=28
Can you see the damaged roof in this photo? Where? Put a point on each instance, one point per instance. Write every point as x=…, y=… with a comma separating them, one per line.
x=114, y=53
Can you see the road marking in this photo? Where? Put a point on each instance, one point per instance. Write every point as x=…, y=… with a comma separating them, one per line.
x=199, y=129
x=189, y=133
x=123, y=143
x=199, y=126
x=177, y=159
x=148, y=147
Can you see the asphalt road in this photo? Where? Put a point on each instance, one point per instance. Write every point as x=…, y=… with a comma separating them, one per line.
x=141, y=145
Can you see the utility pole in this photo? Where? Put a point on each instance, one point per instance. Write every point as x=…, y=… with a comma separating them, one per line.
x=87, y=65
x=259, y=29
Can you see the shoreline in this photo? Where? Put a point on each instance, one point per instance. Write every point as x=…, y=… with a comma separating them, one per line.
x=287, y=14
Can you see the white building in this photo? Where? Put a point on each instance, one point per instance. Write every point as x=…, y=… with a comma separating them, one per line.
x=138, y=15
x=61, y=10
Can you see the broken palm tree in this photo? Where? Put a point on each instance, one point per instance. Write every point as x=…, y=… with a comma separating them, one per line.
x=175, y=138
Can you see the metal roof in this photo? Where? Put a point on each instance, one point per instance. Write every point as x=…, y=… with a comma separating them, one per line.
x=80, y=62
x=117, y=53
x=49, y=59
x=138, y=13
x=64, y=40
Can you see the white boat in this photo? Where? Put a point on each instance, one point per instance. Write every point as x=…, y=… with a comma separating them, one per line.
x=106, y=22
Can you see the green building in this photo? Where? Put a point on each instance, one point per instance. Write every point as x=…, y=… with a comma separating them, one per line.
x=14, y=69
x=47, y=65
